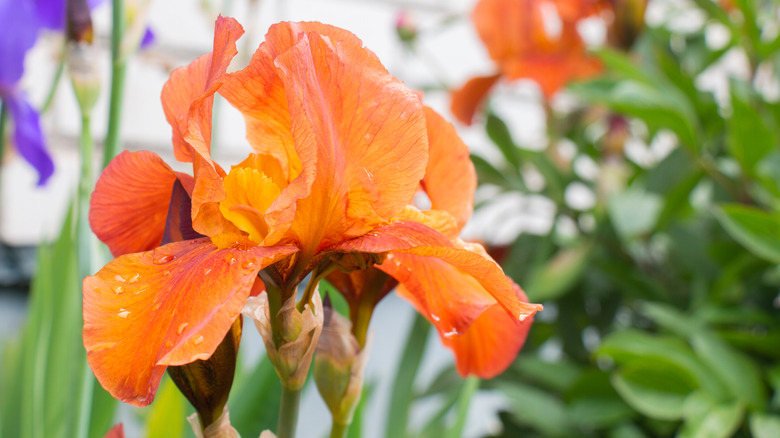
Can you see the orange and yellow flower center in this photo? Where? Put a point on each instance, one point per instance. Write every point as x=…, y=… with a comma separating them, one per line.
x=251, y=187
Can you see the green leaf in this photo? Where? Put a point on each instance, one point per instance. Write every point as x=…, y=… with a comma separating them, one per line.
x=749, y=139
x=499, y=133
x=757, y=230
x=168, y=413
x=539, y=410
x=462, y=409
x=764, y=425
x=655, y=387
x=560, y=274
x=487, y=173
x=254, y=400
x=558, y=376
x=406, y=374
x=719, y=422
x=737, y=371
x=634, y=211
x=670, y=318
x=598, y=412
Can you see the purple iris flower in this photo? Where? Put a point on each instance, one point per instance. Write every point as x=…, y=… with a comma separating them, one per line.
x=19, y=25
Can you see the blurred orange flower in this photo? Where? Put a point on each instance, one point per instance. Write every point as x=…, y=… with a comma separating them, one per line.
x=340, y=147
x=531, y=39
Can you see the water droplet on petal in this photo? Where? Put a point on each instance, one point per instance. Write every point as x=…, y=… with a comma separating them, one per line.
x=157, y=307
x=167, y=274
x=141, y=290
x=168, y=344
x=451, y=333
x=249, y=265
x=134, y=278
x=435, y=317
x=119, y=278
x=118, y=290
x=197, y=340
x=206, y=271
x=163, y=259
x=230, y=259
x=182, y=326
x=123, y=313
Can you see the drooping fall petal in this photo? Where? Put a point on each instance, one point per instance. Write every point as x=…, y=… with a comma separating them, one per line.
x=28, y=135
x=367, y=129
x=188, y=95
x=129, y=206
x=450, y=179
x=483, y=335
x=408, y=266
x=396, y=235
x=169, y=306
x=491, y=342
x=470, y=96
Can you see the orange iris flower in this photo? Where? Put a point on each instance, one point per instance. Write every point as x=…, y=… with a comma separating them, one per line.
x=524, y=41
x=340, y=147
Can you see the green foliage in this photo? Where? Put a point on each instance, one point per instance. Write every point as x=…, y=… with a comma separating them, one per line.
x=661, y=315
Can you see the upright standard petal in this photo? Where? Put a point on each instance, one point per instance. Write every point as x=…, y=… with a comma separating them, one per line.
x=129, y=206
x=188, y=96
x=450, y=179
x=18, y=31
x=368, y=131
x=169, y=306
x=28, y=136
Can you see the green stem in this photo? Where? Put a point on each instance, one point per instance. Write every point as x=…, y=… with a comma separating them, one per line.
x=118, y=72
x=288, y=413
x=55, y=81
x=464, y=399
x=83, y=238
x=405, y=376
x=338, y=430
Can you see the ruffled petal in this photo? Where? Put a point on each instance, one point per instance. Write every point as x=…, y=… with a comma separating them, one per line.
x=129, y=206
x=188, y=96
x=470, y=96
x=450, y=179
x=28, y=136
x=19, y=26
x=368, y=132
x=491, y=342
x=396, y=235
x=432, y=270
x=169, y=306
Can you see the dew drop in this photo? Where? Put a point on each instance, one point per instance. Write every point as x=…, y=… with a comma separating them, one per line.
x=168, y=344
x=435, y=317
x=123, y=313
x=141, y=290
x=230, y=259
x=118, y=290
x=249, y=265
x=197, y=340
x=157, y=307
x=207, y=271
x=141, y=399
x=451, y=333
x=163, y=259
x=119, y=278
x=134, y=278
x=166, y=274
x=182, y=326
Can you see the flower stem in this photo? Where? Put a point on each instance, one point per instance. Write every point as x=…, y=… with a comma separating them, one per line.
x=118, y=73
x=464, y=399
x=338, y=430
x=288, y=413
x=56, y=80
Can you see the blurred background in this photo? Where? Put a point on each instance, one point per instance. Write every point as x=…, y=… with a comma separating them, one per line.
x=629, y=181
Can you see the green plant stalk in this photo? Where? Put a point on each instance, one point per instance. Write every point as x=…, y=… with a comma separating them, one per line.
x=84, y=241
x=338, y=430
x=118, y=73
x=288, y=413
x=55, y=81
x=462, y=408
x=401, y=397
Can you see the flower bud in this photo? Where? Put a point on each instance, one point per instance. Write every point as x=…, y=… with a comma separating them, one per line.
x=629, y=20
x=83, y=70
x=220, y=428
x=206, y=383
x=291, y=350
x=339, y=365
